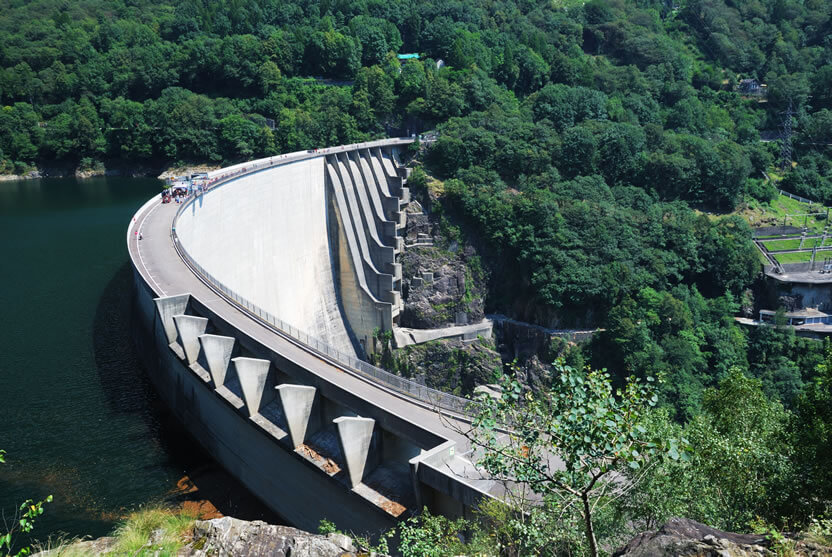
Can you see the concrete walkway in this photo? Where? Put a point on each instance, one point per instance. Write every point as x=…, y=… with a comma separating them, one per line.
x=404, y=336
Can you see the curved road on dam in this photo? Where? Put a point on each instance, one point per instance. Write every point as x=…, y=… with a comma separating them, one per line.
x=157, y=259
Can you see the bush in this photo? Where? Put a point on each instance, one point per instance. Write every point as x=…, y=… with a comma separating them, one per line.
x=762, y=190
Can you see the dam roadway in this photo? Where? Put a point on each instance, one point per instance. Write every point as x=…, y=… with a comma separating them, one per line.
x=422, y=460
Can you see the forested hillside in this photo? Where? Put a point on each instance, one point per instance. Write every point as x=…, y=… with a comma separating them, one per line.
x=593, y=154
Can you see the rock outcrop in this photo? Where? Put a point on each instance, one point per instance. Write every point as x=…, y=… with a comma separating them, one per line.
x=439, y=290
x=683, y=537
x=439, y=287
x=228, y=536
x=450, y=365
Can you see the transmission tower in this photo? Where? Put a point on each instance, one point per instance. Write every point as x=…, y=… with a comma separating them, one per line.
x=786, y=137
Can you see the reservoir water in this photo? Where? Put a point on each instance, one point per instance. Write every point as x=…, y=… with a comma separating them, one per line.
x=78, y=418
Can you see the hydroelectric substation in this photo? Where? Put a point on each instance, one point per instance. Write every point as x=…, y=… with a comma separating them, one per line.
x=255, y=301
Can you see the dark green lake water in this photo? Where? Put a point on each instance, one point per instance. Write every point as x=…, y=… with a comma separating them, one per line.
x=78, y=418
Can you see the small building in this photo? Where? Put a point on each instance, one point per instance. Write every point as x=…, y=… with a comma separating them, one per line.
x=802, y=316
x=752, y=88
x=408, y=56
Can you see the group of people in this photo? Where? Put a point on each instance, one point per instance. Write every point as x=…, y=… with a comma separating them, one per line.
x=175, y=194
x=178, y=194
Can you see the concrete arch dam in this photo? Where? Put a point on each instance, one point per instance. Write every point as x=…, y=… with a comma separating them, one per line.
x=255, y=300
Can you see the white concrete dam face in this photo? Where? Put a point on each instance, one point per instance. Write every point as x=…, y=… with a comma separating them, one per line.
x=265, y=237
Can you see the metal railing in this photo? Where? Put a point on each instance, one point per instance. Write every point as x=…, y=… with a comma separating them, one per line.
x=427, y=395
x=798, y=198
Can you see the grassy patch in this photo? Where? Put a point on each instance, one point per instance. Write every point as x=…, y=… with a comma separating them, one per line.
x=155, y=531
x=168, y=528
x=782, y=244
x=794, y=243
x=794, y=257
x=760, y=214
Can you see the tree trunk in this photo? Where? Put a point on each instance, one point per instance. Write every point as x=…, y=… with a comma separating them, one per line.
x=590, y=532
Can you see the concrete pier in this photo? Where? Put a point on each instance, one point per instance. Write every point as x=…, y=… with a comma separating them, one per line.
x=190, y=328
x=297, y=401
x=168, y=306
x=253, y=374
x=217, y=351
x=355, y=436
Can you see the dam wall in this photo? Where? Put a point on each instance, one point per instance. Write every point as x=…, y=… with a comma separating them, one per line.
x=266, y=237
x=312, y=434
x=308, y=240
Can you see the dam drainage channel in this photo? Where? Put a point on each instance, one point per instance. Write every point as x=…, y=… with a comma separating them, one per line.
x=426, y=397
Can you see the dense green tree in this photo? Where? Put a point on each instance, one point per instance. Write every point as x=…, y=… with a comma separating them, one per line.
x=812, y=427
x=590, y=427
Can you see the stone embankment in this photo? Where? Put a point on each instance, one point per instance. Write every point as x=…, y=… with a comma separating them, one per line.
x=132, y=172
x=28, y=176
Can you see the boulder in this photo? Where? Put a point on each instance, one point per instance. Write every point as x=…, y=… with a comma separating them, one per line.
x=683, y=537
x=229, y=536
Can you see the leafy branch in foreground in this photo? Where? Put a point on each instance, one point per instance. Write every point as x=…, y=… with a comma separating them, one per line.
x=22, y=523
x=566, y=443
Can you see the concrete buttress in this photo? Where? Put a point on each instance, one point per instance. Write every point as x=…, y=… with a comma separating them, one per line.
x=253, y=374
x=355, y=435
x=217, y=351
x=189, y=328
x=167, y=307
x=297, y=403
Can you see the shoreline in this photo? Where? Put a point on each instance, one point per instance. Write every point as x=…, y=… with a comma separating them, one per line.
x=160, y=173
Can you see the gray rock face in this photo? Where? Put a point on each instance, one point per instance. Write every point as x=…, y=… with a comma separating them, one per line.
x=418, y=223
x=450, y=365
x=437, y=289
x=791, y=303
x=683, y=537
x=687, y=538
x=229, y=536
